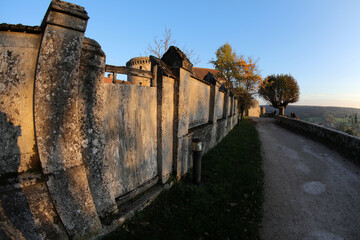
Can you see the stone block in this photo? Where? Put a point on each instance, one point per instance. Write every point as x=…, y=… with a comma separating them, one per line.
x=66, y=20
x=74, y=203
x=27, y=211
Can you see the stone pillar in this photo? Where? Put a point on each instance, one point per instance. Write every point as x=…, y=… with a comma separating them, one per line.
x=236, y=104
x=90, y=114
x=213, y=96
x=182, y=67
x=164, y=80
x=232, y=104
x=57, y=126
x=226, y=107
x=214, y=89
x=231, y=119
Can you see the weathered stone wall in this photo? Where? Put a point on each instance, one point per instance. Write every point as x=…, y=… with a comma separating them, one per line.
x=220, y=105
x=349, y=144
x=130, y=126
x=18, y=55
x=26, y=208
x=199, y=100
x=72, y=147
x=215, y=102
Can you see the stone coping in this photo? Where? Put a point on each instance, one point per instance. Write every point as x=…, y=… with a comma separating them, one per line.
x=20, y=28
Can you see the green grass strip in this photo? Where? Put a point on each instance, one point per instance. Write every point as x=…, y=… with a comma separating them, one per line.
x=228, y=205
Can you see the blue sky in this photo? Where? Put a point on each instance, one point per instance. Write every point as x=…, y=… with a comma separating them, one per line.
x=317, y=41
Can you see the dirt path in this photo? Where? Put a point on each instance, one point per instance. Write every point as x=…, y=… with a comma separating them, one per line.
x=311, y=192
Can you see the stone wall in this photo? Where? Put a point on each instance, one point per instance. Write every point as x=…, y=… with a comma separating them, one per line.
x=26, y=208
x=220, y=100
x=72, y=147
x=254, y=111
x=199, y=100
x=348, y=144
x=130, y=126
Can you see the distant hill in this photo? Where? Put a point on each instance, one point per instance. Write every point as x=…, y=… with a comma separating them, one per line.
x=318, y=114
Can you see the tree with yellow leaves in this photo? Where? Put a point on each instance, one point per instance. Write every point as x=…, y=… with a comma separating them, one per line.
x=241, y=75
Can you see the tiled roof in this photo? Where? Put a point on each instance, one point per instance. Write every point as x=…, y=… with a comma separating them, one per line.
x=202, y=72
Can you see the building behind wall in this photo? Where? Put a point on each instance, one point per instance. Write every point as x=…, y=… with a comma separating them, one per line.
x=254, y=111
x=142, y=63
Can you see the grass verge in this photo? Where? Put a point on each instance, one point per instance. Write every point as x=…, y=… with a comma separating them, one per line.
x=228, y=205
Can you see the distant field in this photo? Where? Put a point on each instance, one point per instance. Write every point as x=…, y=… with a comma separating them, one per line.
x=313, y=119
x=339, y=118
x=317, y=113
x=343, y=120
x=321, y=120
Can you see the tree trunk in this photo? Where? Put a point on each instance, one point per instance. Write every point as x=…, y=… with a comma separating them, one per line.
x=241, y=115
x=281, y=111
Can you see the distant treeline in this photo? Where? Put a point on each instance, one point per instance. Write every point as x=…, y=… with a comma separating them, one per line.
x=306, y=112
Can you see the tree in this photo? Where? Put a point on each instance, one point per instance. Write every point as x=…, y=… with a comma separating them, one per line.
x=353, y=126
x=226, y=64
x=279, y=90
x=329, y=118
x=245, y=100
x=160, y=46
x=240, y=74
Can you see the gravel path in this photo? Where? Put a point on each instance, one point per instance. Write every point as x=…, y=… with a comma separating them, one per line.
x=311, y=192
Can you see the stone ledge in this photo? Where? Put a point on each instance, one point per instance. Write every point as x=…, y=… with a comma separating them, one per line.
x=176, y=59
x=19, y=180
x=20, y=28
x=128, y=211
x=69, y=8
x=166, y=70
x=347, y=144
x=211, y=78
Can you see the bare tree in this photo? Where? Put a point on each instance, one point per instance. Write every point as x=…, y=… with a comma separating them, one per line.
x=160, y=46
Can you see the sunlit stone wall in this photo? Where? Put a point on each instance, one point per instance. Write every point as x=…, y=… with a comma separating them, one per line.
x=130, y=124
x=348, y=144
x=220, y=105
x=71, y=146
x=198, y=103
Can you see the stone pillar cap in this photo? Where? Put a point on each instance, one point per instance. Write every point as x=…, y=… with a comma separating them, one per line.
x=175, y=58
